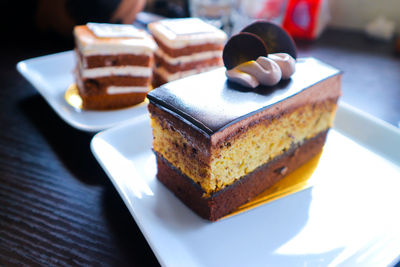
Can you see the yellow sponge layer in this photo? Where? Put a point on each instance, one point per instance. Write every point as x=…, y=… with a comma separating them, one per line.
x=244, y=152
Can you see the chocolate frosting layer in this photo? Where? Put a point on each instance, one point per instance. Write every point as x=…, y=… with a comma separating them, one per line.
x=210, y=103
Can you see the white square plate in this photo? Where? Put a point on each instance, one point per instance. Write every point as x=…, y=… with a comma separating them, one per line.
x=51, y=75
x=350, y=217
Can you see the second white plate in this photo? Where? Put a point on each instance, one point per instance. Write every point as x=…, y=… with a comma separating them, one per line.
x=349, y=218
x=51, y=75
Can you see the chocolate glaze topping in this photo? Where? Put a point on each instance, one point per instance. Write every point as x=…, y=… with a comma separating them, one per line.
x=210, y=103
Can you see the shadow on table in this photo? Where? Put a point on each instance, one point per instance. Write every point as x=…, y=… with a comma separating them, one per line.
x=134, y=246
x=72, y=146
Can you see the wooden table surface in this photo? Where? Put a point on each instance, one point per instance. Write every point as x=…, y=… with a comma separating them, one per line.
x=58, y=207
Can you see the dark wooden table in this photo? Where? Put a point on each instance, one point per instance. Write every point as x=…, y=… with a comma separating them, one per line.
x=58, y=207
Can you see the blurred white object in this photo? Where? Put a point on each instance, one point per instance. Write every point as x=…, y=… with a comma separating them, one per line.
x=245, y=12
x=215, y=12
x=381, y=28
x=356, y=14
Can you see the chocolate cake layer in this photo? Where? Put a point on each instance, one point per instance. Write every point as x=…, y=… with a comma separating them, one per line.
x=99, y=85
x=173, y=68
x=230, y=198
x=216, y=167
x=157, y=80
x=98, y=61
x=188, y=50
x=105, y=102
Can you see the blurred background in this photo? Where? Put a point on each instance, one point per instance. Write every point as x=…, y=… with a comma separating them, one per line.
x=305, y=19
x=232, y=14
x=360, y=37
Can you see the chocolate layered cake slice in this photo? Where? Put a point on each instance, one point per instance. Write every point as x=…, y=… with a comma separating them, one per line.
x=186, y=47
x=217, y=147
x=114, y=65
x=224, y=136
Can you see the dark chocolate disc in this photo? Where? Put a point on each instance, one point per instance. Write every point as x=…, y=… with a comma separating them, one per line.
x=275, y=38
x=241, y=48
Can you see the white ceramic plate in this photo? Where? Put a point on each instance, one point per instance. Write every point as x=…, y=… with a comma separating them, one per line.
x=51, y=75
x=350, y=217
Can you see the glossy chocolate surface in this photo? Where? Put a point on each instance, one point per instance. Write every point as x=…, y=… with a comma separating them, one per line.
x=210, y=103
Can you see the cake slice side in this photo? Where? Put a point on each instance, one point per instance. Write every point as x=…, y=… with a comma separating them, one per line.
x=186, y=47
x=242, y=191
x=215, y=170
x=112, y=72
x=219, y=160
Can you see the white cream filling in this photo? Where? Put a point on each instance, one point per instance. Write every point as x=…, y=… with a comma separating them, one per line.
x=113, y=49
x=190, y=58
x=135, y=71
x=112, y=90
x=166, y=75
x=196, y=32
x=90, y=46
x=110, y=30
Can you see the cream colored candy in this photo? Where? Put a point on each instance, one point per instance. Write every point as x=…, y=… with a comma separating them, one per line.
x=265, y=70
x=271, y=74
x=242, y=78
x=252, y=73
x=286, y=63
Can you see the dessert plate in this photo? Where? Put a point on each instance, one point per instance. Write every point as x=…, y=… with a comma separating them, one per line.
x=349, y=217
x=51, y=75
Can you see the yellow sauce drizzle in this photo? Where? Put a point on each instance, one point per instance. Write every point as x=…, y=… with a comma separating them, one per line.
x=296, y=181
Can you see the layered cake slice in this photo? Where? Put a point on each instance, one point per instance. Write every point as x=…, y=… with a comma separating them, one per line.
x=186, y=47
x=220, y=142
x=114, y=65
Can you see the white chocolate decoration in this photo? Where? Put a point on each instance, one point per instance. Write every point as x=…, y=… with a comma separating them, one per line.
x=265, y=70
x=106, y=30
x=179, y=33
x=286, y=62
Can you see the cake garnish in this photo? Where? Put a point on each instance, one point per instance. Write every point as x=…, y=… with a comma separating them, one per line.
x=252, y=73
x=286, y=63
x=184, y=26
x=261, y=54
x=233, y=54
x=107, y=30
x=275, y=37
